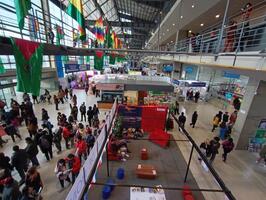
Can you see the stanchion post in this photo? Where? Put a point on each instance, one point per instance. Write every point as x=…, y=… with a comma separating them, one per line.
x=189, y=161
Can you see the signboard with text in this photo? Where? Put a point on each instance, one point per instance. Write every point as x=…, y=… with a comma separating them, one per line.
x=70, y=68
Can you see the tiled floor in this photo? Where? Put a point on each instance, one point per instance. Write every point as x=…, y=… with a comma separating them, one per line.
x=242, y=176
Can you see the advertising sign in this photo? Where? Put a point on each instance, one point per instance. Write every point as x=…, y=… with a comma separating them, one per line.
x=110, y=87
x=137, y=193
x=131, y=116
x=70, y=68
x=231, y=75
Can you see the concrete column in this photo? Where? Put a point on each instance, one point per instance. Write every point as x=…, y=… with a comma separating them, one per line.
x=252, y=110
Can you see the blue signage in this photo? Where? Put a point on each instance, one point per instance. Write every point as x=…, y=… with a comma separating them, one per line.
x=231, y=75
x=197, y=84
x=168, y=68
x=59, y=67
x=70, y=68
x=175, y=81
x=189, y=70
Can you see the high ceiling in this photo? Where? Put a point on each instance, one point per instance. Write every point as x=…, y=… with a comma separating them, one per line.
x=133, y=20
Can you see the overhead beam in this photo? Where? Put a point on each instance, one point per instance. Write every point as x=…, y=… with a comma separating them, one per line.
x=119, y=19
x=127, y=36
x=122, y=24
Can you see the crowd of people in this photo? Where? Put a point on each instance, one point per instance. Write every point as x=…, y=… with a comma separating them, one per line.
x=78, y=131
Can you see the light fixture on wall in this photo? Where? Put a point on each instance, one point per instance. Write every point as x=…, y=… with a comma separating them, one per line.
x=201, y=24
x=217, y=16
x=192, y=6
x=181, y=16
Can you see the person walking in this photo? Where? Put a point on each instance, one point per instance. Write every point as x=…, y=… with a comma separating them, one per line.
x=45, y=144
x=73, y=164
x=228, y=145
x=35, y=99
x=86, y=88
x=67, y=134
x=214, y=147
x=56, y=102
x=90, y=115
x=62, y=172
x=5, y=162
x=215, y=122
x=96, y=111
x=45, y=116
x=182, y=120
x=11, y=188
x=82, y=110
x=194, y=119
x=90, y=140
x=71, y=93
x=32, y=151
x=225, y=117
x=61, y=95
x=11, y=130
x=262, y=155
x=19, y=161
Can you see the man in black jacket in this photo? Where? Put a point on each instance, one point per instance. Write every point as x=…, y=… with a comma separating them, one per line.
x=19, y=160
x=182, y=120
x=90, y=115
x=82, y=110
x=32, y=151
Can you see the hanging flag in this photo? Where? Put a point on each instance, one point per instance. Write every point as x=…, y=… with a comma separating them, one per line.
x=116, y=41
x=98, y=60
x=75, y=10
x=29, y=58
x=2, y=68
x=112, y=58
x=22, y=10
x=59, y=34
x=99, y=32
x=108, y=38
x=113, y=39
x=33, y=27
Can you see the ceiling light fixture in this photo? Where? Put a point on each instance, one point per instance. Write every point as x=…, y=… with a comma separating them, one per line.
x=181, y=16
x=201, y=24
x=192, y=6
x=190, y=31
x=167, y=29
x=174, y=24
x=172, y=41
x=217, y=16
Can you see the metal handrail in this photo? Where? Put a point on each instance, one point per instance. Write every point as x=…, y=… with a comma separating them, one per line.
x=247, y=35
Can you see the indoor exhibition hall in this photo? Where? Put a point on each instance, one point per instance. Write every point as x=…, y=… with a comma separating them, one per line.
x=132, y=99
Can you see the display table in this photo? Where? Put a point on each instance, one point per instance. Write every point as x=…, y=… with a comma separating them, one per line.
x=146, y=171
x=144, y=154
x=137, y=193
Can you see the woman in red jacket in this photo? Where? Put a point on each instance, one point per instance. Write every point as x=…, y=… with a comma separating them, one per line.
x=81, y=148
x=67, y=135
x=73, y=164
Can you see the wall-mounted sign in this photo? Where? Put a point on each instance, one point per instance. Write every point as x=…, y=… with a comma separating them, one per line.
x=110, y=86
x=70, y=68
x=168, y=68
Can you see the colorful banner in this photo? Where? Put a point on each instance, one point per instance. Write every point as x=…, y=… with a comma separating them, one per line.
x=59, y=67
x=131, y=116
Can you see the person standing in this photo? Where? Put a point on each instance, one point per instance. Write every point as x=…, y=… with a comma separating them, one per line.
x=74, y=111
x=66, y=93
x=90, y=140
x=51, y=35
x=56, y=102
x=90, y=115
x=32, y=151
x=233, y=117
x=62, y=172
x=228, y=146
x=74, y=164
x=230, y=37
x=182, y=120
x=82, y=110
x=67, y=134
x=19, y=160
x=214, y=147
x=11, y=189
x=33, y=180
x=71, y=93
x=225, y=117
x=86, y=88
x=45, y=116
x=5, y=162
x=194, y=119
x=45, y=144
x=74, y=100
x=81, y=148
x=96, y=111
x=197, y=96
x=32, y=126
x=223, y=131
x=216, y=120
x=61, y=95
x=57, y=138
x=176, y=108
